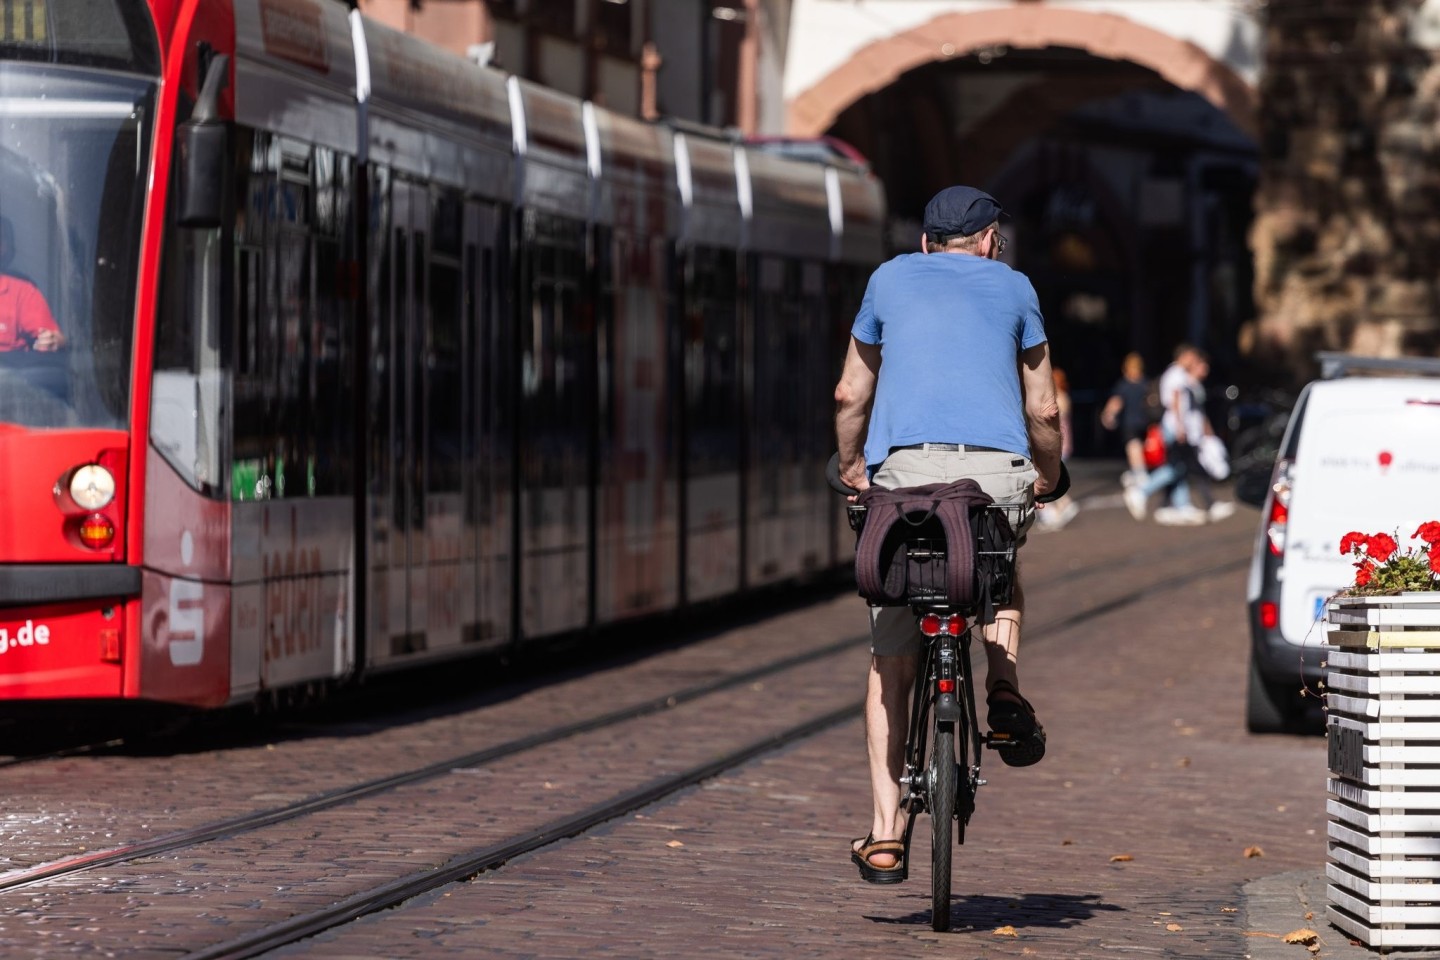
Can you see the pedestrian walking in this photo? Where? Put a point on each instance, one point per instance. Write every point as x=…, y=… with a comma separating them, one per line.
x=1131, y=409
x=1182, y=394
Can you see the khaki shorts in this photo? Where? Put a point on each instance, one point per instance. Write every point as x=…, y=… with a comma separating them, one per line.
x=1008, y=477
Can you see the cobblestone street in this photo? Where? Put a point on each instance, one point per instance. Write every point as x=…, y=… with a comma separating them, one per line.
x=1135, y=836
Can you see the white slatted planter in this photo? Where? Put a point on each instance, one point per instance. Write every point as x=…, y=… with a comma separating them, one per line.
x=1383, y=696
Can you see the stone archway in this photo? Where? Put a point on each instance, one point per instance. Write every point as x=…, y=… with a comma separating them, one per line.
x=1028, y=26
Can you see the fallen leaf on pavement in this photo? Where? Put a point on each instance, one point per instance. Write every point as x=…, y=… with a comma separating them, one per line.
x=1309, y=916
x=1067, y=842
x=1313, y=948
x=674, y=843
x=1121, y=858
x=1253, y=852
x=1174, y=927
x=1304, y=935
x=1006, y=932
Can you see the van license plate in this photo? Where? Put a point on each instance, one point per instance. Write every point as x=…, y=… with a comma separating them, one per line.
x=1347, y=752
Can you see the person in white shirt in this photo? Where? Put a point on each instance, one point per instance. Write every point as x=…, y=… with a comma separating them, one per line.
x=1182, y=394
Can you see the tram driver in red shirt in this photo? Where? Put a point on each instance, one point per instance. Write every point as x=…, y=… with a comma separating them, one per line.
x=26, y=322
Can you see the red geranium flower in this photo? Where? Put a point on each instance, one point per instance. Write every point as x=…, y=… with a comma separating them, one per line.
x=1352, y=540
x=1435, y=561
x=1429, y=532
x=1381, y=546
x=1363, y=570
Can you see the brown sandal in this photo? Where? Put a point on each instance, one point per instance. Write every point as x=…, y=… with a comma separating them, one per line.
x=869, y=847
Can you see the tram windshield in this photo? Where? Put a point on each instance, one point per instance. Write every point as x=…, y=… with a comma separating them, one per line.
x=74, y=148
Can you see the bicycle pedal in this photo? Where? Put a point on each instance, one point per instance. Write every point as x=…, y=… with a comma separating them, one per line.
x=999, y=741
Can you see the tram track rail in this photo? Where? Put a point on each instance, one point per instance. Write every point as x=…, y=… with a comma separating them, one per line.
x=470, y=864
x=259, y=819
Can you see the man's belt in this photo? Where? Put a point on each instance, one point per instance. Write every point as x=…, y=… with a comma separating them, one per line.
x=950, y=448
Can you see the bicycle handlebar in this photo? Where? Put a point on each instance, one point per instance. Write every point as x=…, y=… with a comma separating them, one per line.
x=832, y=476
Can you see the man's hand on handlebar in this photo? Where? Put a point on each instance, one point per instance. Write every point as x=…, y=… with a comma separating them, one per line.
x=854, y=475
x=1043, y=487
x=1047, y=492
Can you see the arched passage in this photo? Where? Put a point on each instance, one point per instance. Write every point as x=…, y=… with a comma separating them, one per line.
x=1124, y=158
x=1023, y=27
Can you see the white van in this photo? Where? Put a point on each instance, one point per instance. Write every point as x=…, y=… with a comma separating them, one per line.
x=1361, y=453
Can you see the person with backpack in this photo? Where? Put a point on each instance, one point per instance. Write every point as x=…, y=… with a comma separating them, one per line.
x=947, y=377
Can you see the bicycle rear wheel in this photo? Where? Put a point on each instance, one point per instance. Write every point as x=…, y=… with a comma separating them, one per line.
x=942, y=821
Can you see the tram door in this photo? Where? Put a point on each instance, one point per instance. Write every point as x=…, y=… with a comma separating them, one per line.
x=490, y=349
x=406, y=426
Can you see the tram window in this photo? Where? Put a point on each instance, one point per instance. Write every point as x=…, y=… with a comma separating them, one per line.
x=293, y=279
x=778, y=353
x=493, y=440
x=556, y=358
x=73, y=165
x=445, y=377
x=332, y=383
x=89, y=33
x=400, y=357
x=712, y=368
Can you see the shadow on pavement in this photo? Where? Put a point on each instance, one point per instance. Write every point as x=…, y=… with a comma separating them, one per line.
x=1059, y=911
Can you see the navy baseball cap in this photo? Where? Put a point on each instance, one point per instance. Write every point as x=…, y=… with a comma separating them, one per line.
x=959, y=212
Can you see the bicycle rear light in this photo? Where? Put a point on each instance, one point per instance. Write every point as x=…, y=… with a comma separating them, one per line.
x=930, y=625
x=955, y=625
x=945, y=686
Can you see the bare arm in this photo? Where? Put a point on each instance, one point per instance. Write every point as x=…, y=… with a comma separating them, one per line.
x=853, y=396
x=1113, y=406
x=1042, y=415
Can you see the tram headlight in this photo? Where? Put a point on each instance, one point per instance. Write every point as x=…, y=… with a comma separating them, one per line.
x=92, y=487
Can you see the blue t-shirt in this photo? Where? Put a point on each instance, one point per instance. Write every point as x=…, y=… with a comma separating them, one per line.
x=950, y=327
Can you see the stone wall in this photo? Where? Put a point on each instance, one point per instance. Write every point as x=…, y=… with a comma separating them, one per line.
x=1347, y=230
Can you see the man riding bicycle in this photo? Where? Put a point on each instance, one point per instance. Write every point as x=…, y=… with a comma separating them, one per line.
x=947, y=377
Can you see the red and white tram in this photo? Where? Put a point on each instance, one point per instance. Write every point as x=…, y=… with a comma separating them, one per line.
x=350, y=355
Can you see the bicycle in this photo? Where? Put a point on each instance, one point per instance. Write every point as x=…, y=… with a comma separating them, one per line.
x=942, y=759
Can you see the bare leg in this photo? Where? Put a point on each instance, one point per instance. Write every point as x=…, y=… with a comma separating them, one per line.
x=1002, y=642
x=887, y=719
x=1135, y=454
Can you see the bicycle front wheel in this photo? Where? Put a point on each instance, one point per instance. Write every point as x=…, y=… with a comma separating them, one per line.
x=942, y=822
